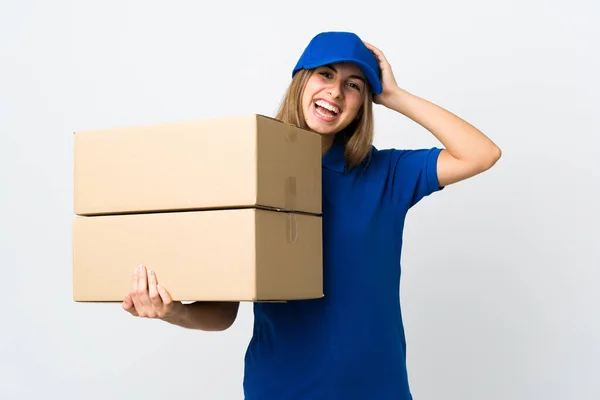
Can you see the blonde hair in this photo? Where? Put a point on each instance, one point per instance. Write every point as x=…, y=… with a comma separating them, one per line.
x=357, y=136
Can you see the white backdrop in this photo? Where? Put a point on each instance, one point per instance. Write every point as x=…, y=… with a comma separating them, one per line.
x=500, y=274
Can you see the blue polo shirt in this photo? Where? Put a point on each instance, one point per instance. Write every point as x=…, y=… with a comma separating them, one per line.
x=350, y=344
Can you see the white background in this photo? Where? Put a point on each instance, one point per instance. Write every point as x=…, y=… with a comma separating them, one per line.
x=500, y=275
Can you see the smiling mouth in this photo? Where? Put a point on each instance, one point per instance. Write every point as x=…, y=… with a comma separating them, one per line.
x=327, y=109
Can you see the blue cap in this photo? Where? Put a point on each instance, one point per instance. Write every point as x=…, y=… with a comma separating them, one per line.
x=331, y=47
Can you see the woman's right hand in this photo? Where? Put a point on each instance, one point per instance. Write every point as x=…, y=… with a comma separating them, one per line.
x=147, y=298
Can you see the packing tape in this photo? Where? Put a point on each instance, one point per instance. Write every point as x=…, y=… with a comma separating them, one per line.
x=290, y=195
x=292, y=228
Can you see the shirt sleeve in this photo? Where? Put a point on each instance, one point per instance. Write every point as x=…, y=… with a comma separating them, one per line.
x=413, y=174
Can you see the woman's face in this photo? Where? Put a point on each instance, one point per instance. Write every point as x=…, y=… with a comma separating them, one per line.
x=333, y=97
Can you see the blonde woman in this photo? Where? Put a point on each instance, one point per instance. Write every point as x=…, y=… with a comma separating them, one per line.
x=351, y=343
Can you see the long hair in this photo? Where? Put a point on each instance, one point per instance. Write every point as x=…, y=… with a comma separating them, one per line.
x=357, y=136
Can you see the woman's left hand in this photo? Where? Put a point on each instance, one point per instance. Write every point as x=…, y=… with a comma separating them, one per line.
x=388, y=81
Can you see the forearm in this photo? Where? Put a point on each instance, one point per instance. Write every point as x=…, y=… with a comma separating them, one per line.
x=462, y=140
x=203, y=315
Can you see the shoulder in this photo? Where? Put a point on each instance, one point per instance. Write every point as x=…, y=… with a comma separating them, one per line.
x=408, y=174
x=392, y=159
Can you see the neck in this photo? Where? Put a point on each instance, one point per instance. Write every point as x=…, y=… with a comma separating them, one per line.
x=326, y=143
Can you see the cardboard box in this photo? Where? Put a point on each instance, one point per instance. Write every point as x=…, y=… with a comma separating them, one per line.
x=242, y=161
x=238, y=255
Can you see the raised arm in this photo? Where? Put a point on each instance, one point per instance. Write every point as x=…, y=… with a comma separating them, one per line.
x=467, y=151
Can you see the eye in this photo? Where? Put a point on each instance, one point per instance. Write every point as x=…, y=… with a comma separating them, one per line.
x=354, y=85
x=326, y=74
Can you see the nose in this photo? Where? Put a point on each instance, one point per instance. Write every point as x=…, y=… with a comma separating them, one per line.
x=335, y=90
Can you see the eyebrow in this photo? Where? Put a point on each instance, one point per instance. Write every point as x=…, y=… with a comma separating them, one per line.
x=351, y=76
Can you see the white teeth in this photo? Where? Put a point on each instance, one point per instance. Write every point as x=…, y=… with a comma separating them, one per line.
x=328, y=106
x=324, y=114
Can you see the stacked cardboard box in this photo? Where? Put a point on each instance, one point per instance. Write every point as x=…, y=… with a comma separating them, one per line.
x=225, y=209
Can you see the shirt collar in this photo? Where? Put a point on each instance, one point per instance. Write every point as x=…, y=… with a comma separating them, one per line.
x=334, y=158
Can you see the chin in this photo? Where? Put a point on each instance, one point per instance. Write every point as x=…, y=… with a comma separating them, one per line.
x=322, y=130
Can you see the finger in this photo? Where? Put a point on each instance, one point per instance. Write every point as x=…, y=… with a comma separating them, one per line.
x=133, y=289
x=142, y=287
x=153, y=291
x=128, y=305
x=378, y=53
x=164, y=295
x=371, y=47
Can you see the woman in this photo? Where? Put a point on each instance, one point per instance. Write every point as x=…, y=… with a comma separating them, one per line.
x=351, y=343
